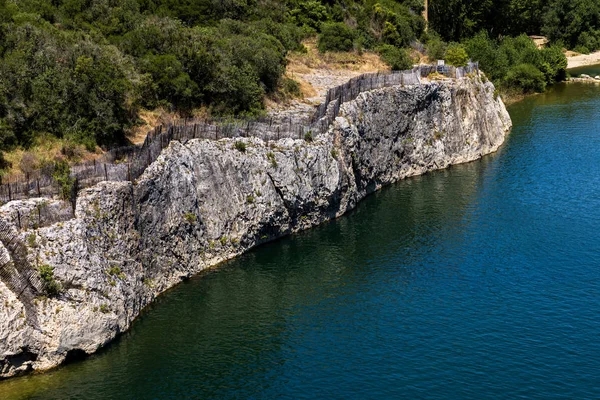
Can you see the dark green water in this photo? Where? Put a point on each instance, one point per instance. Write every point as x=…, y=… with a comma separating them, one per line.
x=591, y=70
x=478, y=282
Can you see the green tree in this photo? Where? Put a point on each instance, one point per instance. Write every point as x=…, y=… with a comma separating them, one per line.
x=336, y=36
x=398, y=59
x=526, y=77
x=457, y=55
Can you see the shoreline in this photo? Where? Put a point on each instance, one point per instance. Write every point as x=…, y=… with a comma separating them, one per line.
x=180, y=219
x=583, y=60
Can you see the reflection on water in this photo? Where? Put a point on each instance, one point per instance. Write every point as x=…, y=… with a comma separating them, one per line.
x=480, y=281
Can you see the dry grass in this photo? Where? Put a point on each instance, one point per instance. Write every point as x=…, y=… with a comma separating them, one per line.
x=45, y=151
x=305, y=63
x=48, y=149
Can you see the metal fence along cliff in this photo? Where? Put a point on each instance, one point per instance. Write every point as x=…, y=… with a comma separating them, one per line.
x=128, y=163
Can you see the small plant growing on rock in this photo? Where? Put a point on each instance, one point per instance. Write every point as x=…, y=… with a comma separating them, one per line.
x=149, y=282
x=223, y=240
x=51, y=286
x=31, y=240
x=240, y=146
x=271, y=158
x=438, y=135
x=115, y=270
x=104, y=309
x=334, y=153
x=191, y=218
x=250, y=199
x=308, y=136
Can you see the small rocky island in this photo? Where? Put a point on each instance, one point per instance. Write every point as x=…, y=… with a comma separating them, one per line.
x=204, y=201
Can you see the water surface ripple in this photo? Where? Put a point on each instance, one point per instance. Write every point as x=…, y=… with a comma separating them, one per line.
x=478, y=282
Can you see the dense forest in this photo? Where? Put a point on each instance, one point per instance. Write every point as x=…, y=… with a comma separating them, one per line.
x=574, y=24
x=81, y=70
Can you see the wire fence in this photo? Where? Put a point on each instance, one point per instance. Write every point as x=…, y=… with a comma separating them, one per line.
x=16, y=272
x=128, y=163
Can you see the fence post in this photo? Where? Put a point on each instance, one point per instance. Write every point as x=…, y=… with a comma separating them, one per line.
x=105, y=172
x=38, y=188
x=19, y=218
x=9, y=192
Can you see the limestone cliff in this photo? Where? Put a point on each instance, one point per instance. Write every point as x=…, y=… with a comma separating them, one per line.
x=206, y=201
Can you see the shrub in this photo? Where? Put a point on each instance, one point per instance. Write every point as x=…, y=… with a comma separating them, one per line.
x=582, y=49
x=457, y=55
x=51, y=286
x=290, y=87
x=435, y=47
x=309, y=13
x=191, y=218
x=271, y=158
x=398, y=59
x=29, y=163
x=526, y=77
x=336, y=36
x=240, y=146
x=62, y=176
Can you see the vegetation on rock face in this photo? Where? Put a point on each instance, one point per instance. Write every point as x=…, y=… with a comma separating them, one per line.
x=51, y=286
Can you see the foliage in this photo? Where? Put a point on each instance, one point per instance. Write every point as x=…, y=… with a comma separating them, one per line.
x=62, y=176
x=398, y=59
x=511, y=62
x=575, y=23
x=240, y=146
x=336, y=36
x=435, y=47
x=457, y=55
x=51, y=286
x=527, y=77
x=191, y=218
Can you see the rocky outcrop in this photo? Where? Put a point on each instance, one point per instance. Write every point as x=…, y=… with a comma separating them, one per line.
x=205, y=201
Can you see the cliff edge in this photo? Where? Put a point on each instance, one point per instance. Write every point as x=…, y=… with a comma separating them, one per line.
x=205, y=201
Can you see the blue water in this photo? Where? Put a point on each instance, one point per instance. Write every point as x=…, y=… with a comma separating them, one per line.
x=477, y=282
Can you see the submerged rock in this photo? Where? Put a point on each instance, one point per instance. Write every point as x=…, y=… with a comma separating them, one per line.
x=205, y=201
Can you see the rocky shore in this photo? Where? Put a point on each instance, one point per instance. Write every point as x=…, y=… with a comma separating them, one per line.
x=205, y=201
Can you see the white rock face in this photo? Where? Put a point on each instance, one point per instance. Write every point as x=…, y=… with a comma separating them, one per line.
x=203, y=202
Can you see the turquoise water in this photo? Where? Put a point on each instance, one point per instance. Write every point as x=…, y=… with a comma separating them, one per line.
x=478, y=282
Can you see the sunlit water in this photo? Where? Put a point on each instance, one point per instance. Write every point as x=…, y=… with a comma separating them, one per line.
x=478, y=282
